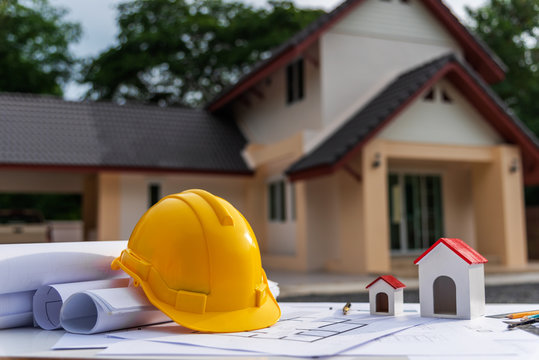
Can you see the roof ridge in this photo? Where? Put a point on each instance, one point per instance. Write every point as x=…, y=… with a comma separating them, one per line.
x=459, y=247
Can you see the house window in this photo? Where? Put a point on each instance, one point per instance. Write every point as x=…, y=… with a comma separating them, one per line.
x=154, y=193
x=295, y=81
x=415, y=211
x=277, y=200
x=429, y=96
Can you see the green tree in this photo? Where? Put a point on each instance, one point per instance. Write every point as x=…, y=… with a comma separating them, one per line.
x=34, y=40
x=511, y=29
x=185, y=52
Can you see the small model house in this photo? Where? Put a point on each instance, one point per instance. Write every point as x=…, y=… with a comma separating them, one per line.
x=386, y=295
x=451, y=280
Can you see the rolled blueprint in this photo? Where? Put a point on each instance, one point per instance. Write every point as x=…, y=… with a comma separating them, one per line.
x=16, y=309
x=48, y=299
x=95, y=311
x=26, y=267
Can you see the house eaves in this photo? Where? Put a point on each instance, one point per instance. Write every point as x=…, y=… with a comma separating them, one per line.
x=348, y=140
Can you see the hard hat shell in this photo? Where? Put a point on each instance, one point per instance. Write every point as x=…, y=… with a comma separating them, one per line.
x=198, y=261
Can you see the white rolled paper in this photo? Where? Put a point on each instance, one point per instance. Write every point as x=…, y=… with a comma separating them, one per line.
x=48, y=299
x=95, y=311
x=16, y=309
x=25, y=267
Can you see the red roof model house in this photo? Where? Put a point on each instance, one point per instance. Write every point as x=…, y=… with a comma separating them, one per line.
x=451, y=280
x=386, y=295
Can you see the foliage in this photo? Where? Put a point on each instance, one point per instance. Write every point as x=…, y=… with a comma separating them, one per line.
x=511, y=29
x=52, y=206
x=186, y=52
x=34, y=40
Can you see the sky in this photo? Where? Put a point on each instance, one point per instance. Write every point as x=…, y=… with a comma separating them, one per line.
x=98, y=20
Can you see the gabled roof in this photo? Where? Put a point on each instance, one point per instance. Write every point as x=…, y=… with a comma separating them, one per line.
x=391, y=280
x=346, y=141
x=45, y=131
x=477, y=53
x=460, y=248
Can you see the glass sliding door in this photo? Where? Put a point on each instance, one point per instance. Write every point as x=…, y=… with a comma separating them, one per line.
x=415, y=206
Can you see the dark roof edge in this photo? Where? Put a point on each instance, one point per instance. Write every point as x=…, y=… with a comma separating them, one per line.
x=105, y=168
x=447, y=64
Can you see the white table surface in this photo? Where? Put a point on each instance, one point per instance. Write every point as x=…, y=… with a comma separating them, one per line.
x=37, y=343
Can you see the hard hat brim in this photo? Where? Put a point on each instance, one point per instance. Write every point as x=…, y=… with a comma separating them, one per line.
x=251, y=318
x=247, y=319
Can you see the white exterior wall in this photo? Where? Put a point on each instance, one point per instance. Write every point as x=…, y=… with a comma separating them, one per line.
x=455, y=123
x=270, y=119
x=134, y=195
x=442, y=261
x=374, y=43
x=394, y=296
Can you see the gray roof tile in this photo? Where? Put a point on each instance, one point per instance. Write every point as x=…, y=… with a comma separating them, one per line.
x=44, y=130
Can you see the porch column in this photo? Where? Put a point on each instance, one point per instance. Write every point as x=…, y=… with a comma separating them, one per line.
x=108, y=206
x=375, y=240
x=499, y=207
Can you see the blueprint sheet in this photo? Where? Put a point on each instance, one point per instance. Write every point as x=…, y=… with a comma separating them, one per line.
x=305, y=331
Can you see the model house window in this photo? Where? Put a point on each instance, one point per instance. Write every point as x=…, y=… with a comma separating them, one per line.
x=154, y=193
x=415, y=211
x=295, y=81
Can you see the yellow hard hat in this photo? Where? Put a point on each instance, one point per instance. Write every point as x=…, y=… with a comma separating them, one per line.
x=198, y=261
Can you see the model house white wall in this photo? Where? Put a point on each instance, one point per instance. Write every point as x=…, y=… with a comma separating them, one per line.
x=468, y=280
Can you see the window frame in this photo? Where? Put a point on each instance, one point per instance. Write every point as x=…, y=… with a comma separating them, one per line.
x=295, y=81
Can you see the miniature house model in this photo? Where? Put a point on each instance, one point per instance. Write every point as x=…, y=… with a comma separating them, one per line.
x=451, y=280
x=386, y=295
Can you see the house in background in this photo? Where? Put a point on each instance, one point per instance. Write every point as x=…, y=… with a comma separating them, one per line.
x=365, y=137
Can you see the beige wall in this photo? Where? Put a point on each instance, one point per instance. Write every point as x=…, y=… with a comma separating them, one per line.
x=283, y=245
x=269, y=119
x=108, y=206
x=499, y=208
x=29, y=181
x=134, y=193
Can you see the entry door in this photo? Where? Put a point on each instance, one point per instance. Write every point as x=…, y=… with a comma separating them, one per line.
x=415, y=211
